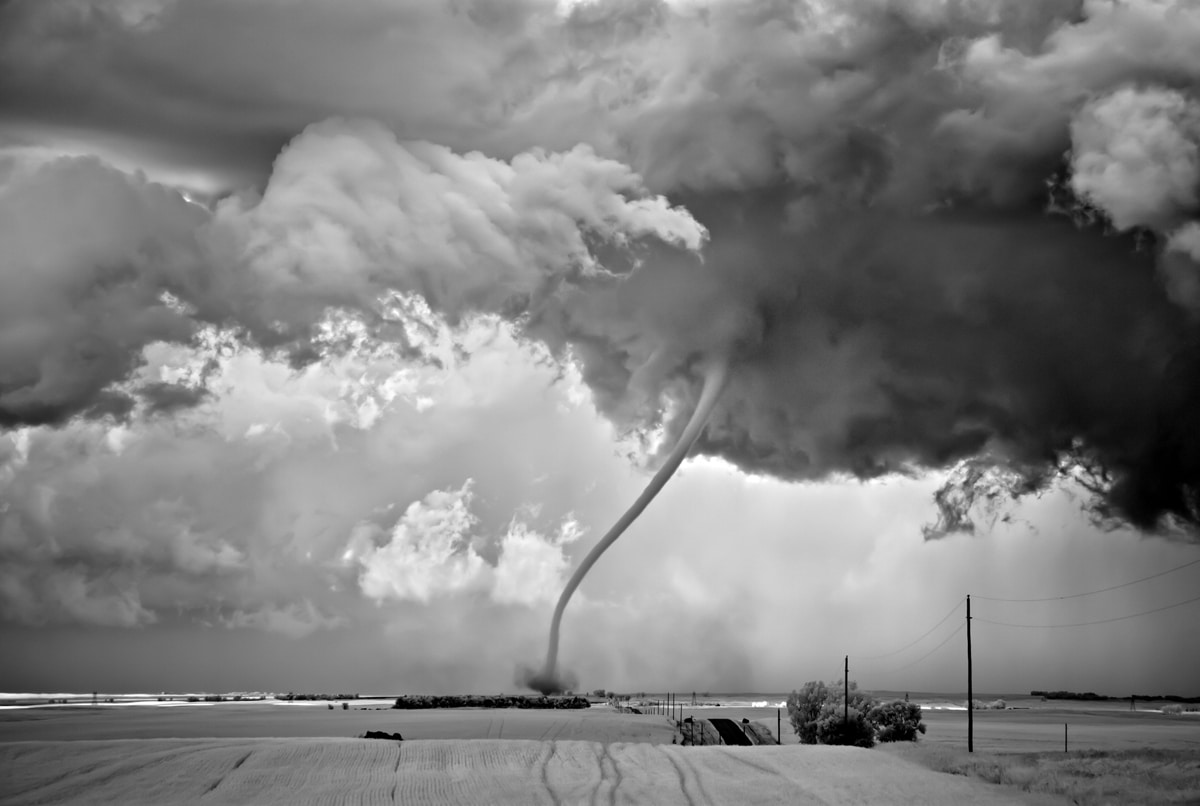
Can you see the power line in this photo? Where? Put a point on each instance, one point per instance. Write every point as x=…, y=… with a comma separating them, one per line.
x=1099, y=590
x=930, y=652
x=924, y=635
x=1087, y=623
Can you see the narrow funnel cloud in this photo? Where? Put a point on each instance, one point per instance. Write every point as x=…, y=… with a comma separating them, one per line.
x=548, y=680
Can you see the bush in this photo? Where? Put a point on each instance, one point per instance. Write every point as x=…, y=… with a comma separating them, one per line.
x=817, y=714
x=897, y=721
x=804, y=707
x=835, y=725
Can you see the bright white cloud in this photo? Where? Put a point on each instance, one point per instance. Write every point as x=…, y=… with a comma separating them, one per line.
x=532, y=568
x=1136, y=155
x=427, y=552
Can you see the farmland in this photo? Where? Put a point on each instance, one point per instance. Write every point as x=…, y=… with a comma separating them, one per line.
x=360, y=771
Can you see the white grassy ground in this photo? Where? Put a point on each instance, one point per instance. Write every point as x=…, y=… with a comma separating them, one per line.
x=358, y=771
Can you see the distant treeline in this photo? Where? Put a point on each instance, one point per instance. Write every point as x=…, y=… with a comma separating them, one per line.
x=417, y=701
x=1088, y=695
x=290, y=697
x=212, y=698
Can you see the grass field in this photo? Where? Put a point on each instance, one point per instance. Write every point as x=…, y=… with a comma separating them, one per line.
x=255, y=720
x=359, y=771
x=216, y=754
x=1144, y=777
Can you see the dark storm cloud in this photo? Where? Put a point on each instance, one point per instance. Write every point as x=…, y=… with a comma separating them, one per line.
x=875, y=176
x=86, y=253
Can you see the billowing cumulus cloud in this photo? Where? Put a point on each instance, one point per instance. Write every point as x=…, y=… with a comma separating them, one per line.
x=1136, y=155
x=425, y=555
x=927, y=235
x=431, y=552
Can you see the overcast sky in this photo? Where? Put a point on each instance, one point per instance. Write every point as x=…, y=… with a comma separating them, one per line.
x=332, y=335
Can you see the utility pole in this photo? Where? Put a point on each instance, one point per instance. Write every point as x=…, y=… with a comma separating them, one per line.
x=846, y=696
x=970, y=686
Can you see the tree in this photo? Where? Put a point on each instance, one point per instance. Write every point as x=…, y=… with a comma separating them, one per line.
x=837, y=725
x=804, y=707
x=897, y=721
x=818, y=714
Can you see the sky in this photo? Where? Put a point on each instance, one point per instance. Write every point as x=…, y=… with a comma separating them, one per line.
x=332, y=336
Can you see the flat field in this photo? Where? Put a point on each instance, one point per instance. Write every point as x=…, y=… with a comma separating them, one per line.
x=247, y=720
x=217, y=753
x=360, y=771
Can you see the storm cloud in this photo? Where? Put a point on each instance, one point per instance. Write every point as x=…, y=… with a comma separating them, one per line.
x=938, y=237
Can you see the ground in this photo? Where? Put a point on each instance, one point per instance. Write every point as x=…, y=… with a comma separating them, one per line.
x=494, y=771
x=303, y=753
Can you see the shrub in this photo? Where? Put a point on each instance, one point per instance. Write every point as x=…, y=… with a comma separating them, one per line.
x=817, y=713
x=835, y=725
x=804, y=707
x=897, y=721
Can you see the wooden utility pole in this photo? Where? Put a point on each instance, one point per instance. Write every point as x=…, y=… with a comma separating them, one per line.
x=846, y=696
x=970, y=686
x=779, y=725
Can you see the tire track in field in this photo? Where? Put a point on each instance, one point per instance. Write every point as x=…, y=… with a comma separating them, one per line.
x=683, y=787
x=741, y=759
x=601, y=758
x=221, y=780
x=704, y=797
x=80, y=772
x=618, y=779
x=396, y=772
x=548, y=753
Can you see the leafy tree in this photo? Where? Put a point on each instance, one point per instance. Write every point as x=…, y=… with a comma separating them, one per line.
x=817, y=713
x=838, y=726
x=804, y=707
x=897, y=721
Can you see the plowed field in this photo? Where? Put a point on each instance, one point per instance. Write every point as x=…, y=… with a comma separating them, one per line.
x=360, y=771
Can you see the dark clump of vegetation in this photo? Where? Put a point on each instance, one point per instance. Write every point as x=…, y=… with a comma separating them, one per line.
x=1092, y=696
x=290, y=697
x=896, y=721
x=420, y=701
x=826, y=713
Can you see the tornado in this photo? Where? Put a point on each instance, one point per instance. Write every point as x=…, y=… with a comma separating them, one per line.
x=548, y=680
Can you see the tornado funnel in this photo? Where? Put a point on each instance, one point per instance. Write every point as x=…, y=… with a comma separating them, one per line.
x=548, y=680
